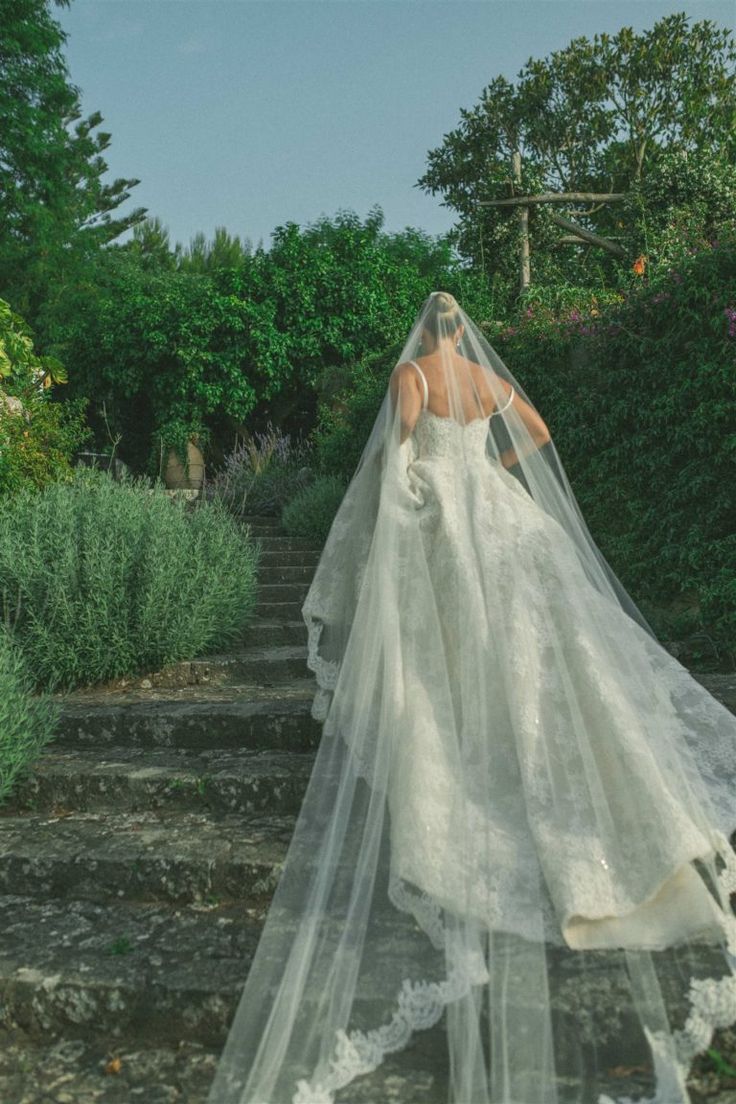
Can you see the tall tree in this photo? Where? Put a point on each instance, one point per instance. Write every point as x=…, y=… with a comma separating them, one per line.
x=54, y=206
x=223, y=251
x=593, y=117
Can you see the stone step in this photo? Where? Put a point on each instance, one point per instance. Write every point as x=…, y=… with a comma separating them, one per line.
x=177, y=858
x=119, y=973
x=33, y=1072
x=267, y=532
x=277, y=543
x=123, y=779
x=262, y=521
x=153, y=989
x=283, y=592
x=288, y=556
x=78, y=1071
x=192, y=717
x=259, y=663
x=278, y=610
x=285, y=573
x=73, y=1071
x=268, y=632
x=80, y=968
x=256, y=663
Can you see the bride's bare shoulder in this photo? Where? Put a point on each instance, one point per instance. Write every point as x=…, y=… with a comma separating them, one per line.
x=403, y=375
x=402, y=370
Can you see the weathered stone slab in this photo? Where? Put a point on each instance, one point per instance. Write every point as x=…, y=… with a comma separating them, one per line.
x=219, y=781
x=73, y=1071
x=81, y=969
x=262, y=521
x=194, y=717
x=721, y=686
x=259, y=662
x=278, y=610
x=278, y=554
x=272, y=541
x=178, y=858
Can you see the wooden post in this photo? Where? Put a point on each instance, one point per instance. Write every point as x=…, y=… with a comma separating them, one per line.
x=524, y=265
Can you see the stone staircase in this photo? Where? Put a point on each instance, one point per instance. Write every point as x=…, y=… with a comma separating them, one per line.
x=137, y=863
x=138, y=859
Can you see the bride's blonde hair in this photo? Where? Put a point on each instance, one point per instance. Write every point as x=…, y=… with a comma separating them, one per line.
x=443, y=314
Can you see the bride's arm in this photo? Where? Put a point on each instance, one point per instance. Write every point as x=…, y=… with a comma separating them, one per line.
x=534, y=425
x=404, y=387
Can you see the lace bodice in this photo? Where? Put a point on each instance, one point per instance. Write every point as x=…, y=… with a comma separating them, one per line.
x=438, y=436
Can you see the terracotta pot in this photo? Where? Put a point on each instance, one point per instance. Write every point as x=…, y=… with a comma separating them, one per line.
x=176, y=478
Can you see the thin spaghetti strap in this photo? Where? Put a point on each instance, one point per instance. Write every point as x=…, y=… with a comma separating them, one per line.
x=507, y=404
x=424, y=382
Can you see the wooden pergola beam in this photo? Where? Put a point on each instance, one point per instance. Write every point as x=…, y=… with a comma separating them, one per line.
x=554, y=197
x=571, y=239
x=588, y=235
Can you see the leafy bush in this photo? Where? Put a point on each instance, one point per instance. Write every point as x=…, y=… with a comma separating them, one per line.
x=38, y=441
x=345, y=421
x=37, y=436
x=27, y=720
x=101, y=579
x=263, y=473
x=684, y=202
x=174, y=348
x=311, y=511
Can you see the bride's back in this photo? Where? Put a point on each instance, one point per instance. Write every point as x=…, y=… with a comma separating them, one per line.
x=473, y=395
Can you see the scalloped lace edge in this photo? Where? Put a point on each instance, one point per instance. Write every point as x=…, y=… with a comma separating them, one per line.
x=325, y=670
x=420, y=1005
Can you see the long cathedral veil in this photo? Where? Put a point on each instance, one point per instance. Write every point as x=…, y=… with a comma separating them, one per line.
x=515, y=838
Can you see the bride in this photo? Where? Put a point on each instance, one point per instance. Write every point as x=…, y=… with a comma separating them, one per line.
x=514, y=844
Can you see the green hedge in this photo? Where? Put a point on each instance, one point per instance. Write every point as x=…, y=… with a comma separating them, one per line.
x=102, y=579
x=641, y=401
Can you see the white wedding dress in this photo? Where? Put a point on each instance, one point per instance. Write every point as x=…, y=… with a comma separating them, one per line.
x=635, y=886
x=520, y=810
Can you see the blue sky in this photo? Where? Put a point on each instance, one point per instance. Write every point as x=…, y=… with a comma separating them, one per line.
x=252, y=113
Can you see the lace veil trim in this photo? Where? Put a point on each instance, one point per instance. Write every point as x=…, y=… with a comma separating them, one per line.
x=420, y=1004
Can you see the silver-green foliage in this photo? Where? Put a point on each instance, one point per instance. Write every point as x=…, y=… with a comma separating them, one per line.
x=99, y=579
x=27, y=719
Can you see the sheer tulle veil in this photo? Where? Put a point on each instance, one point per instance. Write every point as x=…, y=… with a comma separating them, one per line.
x=515, y=837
